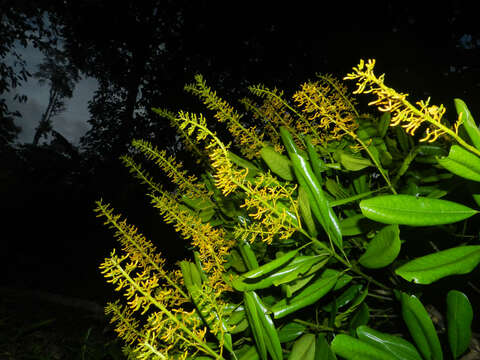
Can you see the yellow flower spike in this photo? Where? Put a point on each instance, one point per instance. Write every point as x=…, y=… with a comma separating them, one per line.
x=249, y=141
x=187, y=184
x=403, y=112
x=328, y=111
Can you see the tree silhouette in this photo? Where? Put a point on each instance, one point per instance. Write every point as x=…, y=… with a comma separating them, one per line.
x=22, y=23
x=61, y=76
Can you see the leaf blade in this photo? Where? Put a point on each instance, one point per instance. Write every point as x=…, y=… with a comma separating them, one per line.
x=383, y=249
x=429, y=268
x=459, y=322
x=414, y=211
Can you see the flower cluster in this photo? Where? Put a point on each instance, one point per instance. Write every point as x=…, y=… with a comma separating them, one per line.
x=328, y=110
x=169, y=330
x=403, y=112
x=249, y=139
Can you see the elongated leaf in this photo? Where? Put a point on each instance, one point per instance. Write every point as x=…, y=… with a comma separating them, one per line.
x=414, y=211
x=399, y=349
x=429, y=268
x=420, y=327
x=306, y=211
x=311, y=294
x=269, y=331
x=468, y=122
x=351, y=348
x=322, y=349
x=360, y=317
x=255, y=324
x=352, y=225
x=250, y=354
x=461, y=162
x=290, y=331
x=270, y=266
x=303, y=348
x=459, y=322
x=342, y=300
x=278, y=163
x=383, y=249
x=351, y=162
x=291, y=271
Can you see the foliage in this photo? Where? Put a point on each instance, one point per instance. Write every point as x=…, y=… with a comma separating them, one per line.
x=321, y=229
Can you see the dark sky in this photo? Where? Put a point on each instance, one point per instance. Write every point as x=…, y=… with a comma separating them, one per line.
x=416, y=45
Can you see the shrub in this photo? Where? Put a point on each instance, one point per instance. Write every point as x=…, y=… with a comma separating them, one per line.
x=313, y=224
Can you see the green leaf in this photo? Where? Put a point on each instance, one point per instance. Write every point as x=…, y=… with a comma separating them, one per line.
x=384, y=124
x=290, y=272
x=459, y=322
x=360, y=317
x=351, y=348
x=420, y=327
x=306, y=211
x=399, y=349
x=461, y=162
x=430, y=268
x=414, y=211
x=278, y=163
x=311, y=294
x=342, y=300
x=255, y=324
x=468, y=123
x=322, y=349
x=250, y=354
x=383, y=249
x=269, y=331
x=290, y=331
x=351, y=162
x=352, y=225
x=237, y=160
x=303, y=348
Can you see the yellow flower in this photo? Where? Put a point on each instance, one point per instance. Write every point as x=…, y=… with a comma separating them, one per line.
x=328, y=111
x=403, y=112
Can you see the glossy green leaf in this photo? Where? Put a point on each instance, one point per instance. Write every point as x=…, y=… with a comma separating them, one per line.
x=306, y=211
x=318, y=165
x=311, y=294
x=250, y=354
x=290, y=272
x=352, y=225
x=320, y=206
x=278, y=163
x=344, y=298
x=382, y=249
x=414, y=211
x=291, y=331
x=269, y=331
x=322, y=349
x=429, y=268
x=344, y=315
x=459, y=322
x=351, y=162
x=360, y=317
x=351, y=348
x=467, y=122
x=303, y=348
x=462, y=163
x=420, y=327
x=398, y=348
x=270, y=266
x=255, y=324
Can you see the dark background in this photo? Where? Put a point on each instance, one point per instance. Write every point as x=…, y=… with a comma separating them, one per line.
x=142, y=53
